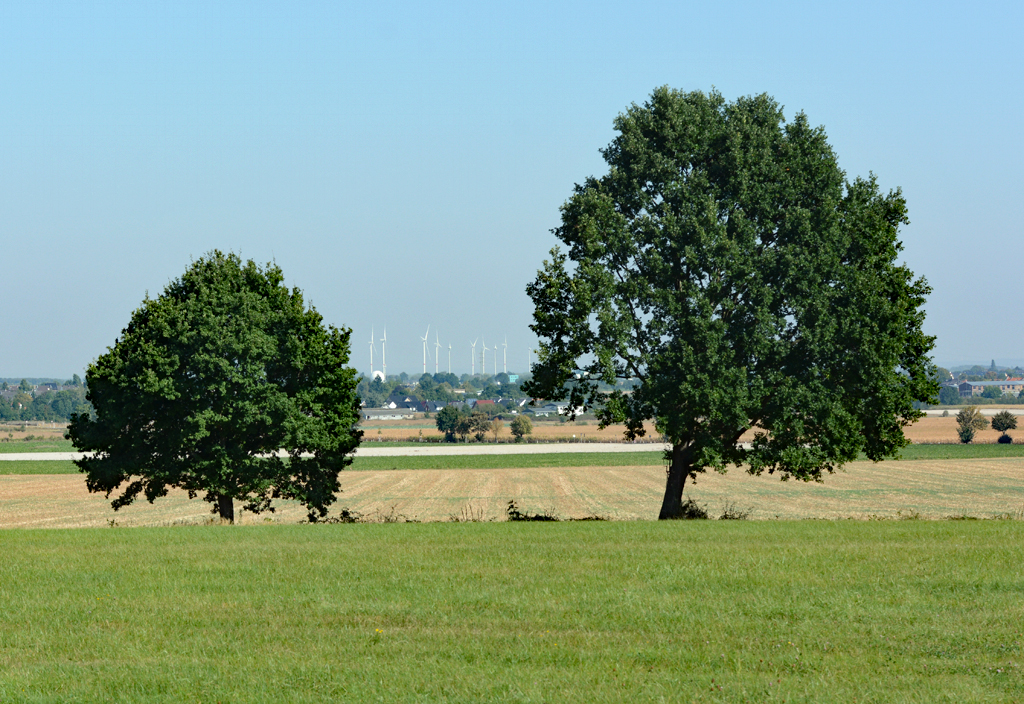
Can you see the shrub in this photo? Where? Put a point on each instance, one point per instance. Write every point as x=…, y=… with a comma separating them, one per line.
x=690, y=510
x=1005, y=439
x=514, y=514
x=730, y=512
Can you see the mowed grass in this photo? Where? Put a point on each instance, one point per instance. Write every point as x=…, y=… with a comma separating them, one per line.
x=38, y=467
x=50, y=445
x=648, y=458
x=806, y=611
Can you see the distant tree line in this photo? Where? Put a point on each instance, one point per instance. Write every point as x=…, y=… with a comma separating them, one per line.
x=28, y=402
x=441, y=387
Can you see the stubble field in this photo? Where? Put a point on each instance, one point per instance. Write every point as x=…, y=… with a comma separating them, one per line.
x=981, y=488
x=927, y=430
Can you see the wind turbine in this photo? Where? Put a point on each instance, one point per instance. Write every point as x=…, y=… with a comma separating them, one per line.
x=529, y=359
x=449, y=358
x=384, y=352
x=504, y=355
x=424, y=338
x=372, y=334
x=472, y=357
x=437, y=346
x=483, y=357
x=495, y=358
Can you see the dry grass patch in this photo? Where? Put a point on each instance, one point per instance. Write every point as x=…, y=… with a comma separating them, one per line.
x=937, y=489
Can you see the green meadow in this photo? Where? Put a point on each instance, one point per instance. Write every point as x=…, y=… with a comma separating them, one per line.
x=646, y=458
x=805, y=611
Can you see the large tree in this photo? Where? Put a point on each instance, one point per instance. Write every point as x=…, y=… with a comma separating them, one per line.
x=727, y=266
x=208, y=383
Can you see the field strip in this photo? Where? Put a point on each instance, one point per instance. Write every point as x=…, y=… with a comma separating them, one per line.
x=982, y=488
x=432, y=451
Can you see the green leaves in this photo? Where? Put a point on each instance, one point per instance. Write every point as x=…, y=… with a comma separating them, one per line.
x=726, y=264
x=226, y=366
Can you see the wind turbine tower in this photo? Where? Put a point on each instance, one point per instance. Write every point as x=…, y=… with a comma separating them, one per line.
x=449, y=358
x=504, y=355
x=472, y=357
x=384, y=352
x=437, y=346
x=372, y=335
x=483, y=357
x=424, y=339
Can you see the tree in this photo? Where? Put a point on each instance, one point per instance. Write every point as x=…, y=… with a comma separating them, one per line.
x=447, y=422
x=520, y=427
x=949, y=395
x=463, y=427
x=1004, y=421
x=480, y=423
x=993, y=392
x=726, y=264
x=496, y=427
x=968, y=421
x=25, y=387
x=427, y=384
x=226, y=366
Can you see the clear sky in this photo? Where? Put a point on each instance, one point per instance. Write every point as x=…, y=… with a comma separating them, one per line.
x=404, y=162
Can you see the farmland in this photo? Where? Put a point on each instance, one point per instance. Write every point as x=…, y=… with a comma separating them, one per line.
x=931, y=429
x=623, y=486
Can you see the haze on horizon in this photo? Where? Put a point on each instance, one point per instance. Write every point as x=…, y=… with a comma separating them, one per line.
x=404, y=163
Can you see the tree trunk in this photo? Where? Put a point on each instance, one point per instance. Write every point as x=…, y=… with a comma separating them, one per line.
x=678, y=471
x=226, y=508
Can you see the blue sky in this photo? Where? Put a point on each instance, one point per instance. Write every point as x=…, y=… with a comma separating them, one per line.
x=404, y=162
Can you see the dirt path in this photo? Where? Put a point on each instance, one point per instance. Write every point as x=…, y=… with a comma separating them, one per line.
x=938, y=489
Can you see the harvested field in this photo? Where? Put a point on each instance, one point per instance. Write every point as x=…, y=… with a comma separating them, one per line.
x=981, y=488
x=932, y=429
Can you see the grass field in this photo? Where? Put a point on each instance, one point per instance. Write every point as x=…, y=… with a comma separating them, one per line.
x=646, y=458
x=597, y=612
x=48, y=445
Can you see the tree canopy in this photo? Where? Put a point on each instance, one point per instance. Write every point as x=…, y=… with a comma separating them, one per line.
x=727, y=266
x=208, y=382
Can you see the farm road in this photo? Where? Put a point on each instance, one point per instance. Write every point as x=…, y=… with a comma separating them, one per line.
x=367, y=450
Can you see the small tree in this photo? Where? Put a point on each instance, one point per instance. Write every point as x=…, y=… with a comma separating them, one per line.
x=447, y=422
x=1003, y=421
x=496, y=427
x=209, y=382
x=968, y=421
x=480, y=423
x=520, y=427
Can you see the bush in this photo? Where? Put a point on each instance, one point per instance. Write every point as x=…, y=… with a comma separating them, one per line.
x=514, y=514
x=1005, y=439
x=692, y=511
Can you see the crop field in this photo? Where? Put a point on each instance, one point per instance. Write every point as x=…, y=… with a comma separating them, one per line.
x=624, y=486
x=927, y=430
x=50, y=439
x=724, y=611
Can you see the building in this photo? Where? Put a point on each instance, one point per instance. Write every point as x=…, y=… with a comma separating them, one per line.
x=977, y=388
